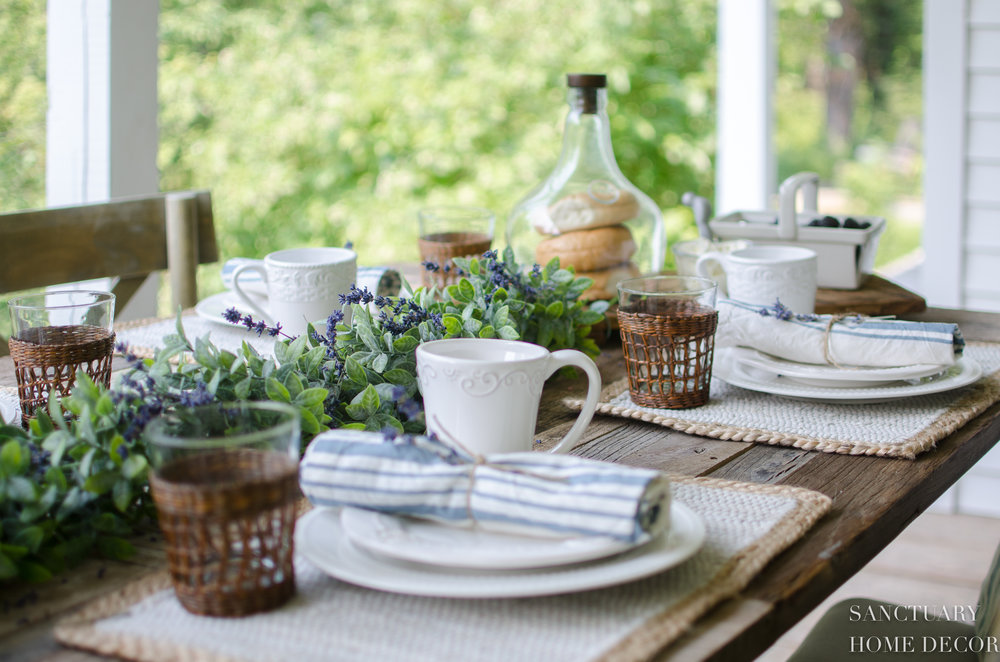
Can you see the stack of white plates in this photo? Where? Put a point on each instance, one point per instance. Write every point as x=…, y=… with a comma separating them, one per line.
x=754, y=370
x=421, y=557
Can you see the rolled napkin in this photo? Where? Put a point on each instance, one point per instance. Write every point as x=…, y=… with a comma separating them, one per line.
x=853, y=341
x=378, y=280
x=542, y=494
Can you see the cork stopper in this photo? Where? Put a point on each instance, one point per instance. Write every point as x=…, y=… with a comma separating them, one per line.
x=587, y=86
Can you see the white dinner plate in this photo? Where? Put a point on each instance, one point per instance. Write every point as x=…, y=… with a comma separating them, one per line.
x=828, y=375
x=9, y=413
x=320, y=537
x=964, y=372
x=211, y=308
x=432, y=543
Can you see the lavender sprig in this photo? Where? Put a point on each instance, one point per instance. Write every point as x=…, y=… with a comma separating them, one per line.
x=783, y=312
x=234, y=316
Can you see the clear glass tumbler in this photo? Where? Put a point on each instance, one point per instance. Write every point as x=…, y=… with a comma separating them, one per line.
x=667, y=326
x=448, y=232
x=225, y=483
x=56, y=334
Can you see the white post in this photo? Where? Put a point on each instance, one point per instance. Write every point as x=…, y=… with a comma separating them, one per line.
x=101, y=129
x=945, y=105
x=744, y=162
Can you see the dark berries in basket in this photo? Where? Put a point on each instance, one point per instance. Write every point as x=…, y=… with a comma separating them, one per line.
x=853, y=224
x=825, y=222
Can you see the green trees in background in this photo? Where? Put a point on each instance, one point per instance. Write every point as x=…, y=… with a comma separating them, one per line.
x=323, y=121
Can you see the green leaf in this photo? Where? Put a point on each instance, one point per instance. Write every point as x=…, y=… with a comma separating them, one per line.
x=554, y=309
x=355, y=372
x=115, y=548
x=405, y=344
x=134, y=466
x=8, y=569
x=12, y=459
x=86, y=461
x=30, y=537
x=368, y=400
x=380, y=362
x=452, y=325
x=310, y=424
x=472, y=326
x=30, y=571
x=55, y=476
x=509, y=333
x=276, y=390
x=101, y=482
x=242, y=388
x=399, y=376
x=589, y=318
x=501, y=316
x=311, y=397
x=56, y=443
x=466, y=292
x=121, y=494
x=487, y=332
x=561, y=276
x=21, y=489
x=294, y=384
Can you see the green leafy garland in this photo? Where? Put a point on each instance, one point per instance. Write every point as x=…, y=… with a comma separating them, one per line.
x=75, y=482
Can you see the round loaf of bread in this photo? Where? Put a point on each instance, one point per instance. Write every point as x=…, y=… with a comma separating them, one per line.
x=588, y=250
x=585, y=210
x=606, y=280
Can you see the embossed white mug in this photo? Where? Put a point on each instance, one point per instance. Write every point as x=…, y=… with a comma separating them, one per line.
x=303, y=285
x=763, y=274
x=484, y=393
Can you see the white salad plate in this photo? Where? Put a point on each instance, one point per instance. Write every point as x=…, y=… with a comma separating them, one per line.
x=424, y=541
x=211, y=308
x=828, y=375
x=8, y=413
x=727, y=368
x=320, y=537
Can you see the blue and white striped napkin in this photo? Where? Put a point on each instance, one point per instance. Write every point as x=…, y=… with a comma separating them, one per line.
x=532, y=493
x=852, y=341
x=378, y=280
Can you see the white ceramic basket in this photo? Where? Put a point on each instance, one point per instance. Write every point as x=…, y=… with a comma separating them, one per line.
x=845, y=256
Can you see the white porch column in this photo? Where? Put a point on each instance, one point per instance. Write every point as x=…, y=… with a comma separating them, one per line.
x=744, y=162
x=101, y=128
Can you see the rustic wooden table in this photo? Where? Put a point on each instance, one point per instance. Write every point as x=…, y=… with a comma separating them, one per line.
x=873, y=500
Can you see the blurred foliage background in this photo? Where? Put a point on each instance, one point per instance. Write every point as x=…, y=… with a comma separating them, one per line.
x=323, y=121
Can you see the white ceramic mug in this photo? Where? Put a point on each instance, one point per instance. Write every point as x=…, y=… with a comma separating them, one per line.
x=303, y=285
x=763, y=274
x=484, y=393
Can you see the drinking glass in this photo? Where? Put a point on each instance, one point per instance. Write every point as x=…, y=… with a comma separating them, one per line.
x=667, y=326
x=55, y=334
x=225, y=483
x=448, y=232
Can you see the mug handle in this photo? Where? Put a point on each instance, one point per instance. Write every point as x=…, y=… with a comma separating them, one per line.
x=701, y=267
x=243, y=295
x=567, y=357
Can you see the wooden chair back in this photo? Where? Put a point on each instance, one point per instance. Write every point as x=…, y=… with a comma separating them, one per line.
x=127, y=238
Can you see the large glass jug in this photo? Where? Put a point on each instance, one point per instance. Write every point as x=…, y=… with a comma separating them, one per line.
x=586, y=212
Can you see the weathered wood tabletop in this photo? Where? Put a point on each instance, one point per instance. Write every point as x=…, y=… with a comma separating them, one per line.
x=873, y=500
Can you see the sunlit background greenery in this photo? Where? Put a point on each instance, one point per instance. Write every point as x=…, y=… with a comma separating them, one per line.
x=323, y=121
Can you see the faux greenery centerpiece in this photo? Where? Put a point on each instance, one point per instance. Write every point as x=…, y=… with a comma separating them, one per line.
x=75, y=482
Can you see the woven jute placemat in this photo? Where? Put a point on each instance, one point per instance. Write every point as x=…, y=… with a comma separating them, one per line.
x=896, y=429
x=746, y=526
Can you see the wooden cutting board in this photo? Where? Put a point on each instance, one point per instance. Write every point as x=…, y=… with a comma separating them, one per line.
x=876, y=296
